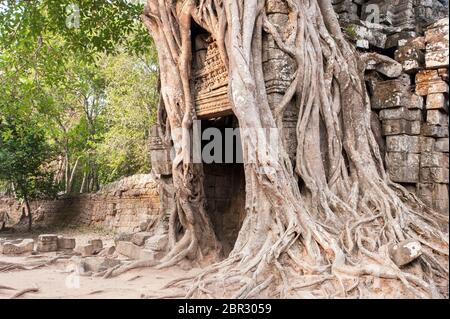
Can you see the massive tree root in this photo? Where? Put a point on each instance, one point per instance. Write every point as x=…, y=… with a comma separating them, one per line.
x=322, y=227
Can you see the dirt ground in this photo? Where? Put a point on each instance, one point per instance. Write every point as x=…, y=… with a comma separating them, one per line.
x=60, y=281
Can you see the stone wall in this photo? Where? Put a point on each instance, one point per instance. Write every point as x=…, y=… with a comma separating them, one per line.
x=225, y=197
x=119, y=206
x=410, y=108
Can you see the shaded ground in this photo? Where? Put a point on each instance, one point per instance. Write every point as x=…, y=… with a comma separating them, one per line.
x=59, y=281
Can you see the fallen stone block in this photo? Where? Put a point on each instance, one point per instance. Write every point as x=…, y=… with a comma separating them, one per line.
x=97, y=245
x=17, y=247
x=431, y=81
x=66, y=243
x=47, y=243
x=108, y=251
x=431, y=130
x=405, y=252
x=125, y=236
x=397, y=127
x=99, y=264
x=151, y=254
x=136, y=252
x=85, y=250
x=140, y=238
x=157, y=243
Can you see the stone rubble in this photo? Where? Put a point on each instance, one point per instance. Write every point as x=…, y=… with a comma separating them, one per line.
x=16, y=247
x=47, y=243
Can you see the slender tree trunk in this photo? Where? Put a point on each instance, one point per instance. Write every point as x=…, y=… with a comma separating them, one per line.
x=29, y=215
x=83, y=183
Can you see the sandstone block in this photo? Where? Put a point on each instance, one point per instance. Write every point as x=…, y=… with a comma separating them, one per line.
x=403, y=167
x=99, y=264
x=274, y=6
x=85, y=250
x=435, y=159
x=17, y=247
x=437, y=117
x=47, y=243
x=125, y=236
x=411, y=54
x=437, y=37
x=405, y=252
x=129, y=249
x=157, y=242
x=140, y=238
x=441, y=145
x=66, y=243
x=399, y=38
x=427, y=144
x=396, y=127
x=431, y=81
x=403, y=143
x=434, y=175
x=431, y=130
x=434, y=195
x=400, y=113
x=97, y=245
x=374, y=37
x=437, y=101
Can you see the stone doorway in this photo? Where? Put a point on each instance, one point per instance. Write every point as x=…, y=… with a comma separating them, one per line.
x=224, y=181
x=224, y=185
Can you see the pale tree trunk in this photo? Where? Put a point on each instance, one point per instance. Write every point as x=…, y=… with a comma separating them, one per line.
x=326, y=240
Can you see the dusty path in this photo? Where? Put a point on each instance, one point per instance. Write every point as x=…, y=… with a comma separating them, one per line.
x=52, y=283
x=55, y=281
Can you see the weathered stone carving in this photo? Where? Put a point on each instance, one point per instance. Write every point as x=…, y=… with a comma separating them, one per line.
x=210, y=79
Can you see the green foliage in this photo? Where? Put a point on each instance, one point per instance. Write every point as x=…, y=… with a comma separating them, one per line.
x=78, y=90
x=350, y=31
x=23, y=153
x=131, y=97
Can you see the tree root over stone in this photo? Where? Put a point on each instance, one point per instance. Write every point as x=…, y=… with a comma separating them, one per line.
x=320, y=228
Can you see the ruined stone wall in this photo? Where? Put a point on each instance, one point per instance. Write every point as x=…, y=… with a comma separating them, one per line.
x=120, y=206
x=410, y=110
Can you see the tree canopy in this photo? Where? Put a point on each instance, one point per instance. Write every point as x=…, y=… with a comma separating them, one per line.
x=83, y=77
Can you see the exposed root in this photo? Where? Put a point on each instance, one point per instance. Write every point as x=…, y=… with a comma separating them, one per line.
x=23, y=292
x=327, y=239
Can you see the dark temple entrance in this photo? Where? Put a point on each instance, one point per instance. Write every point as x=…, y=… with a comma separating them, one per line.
x=224, y=181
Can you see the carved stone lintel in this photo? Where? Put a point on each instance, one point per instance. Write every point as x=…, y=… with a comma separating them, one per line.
x=210, y=79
